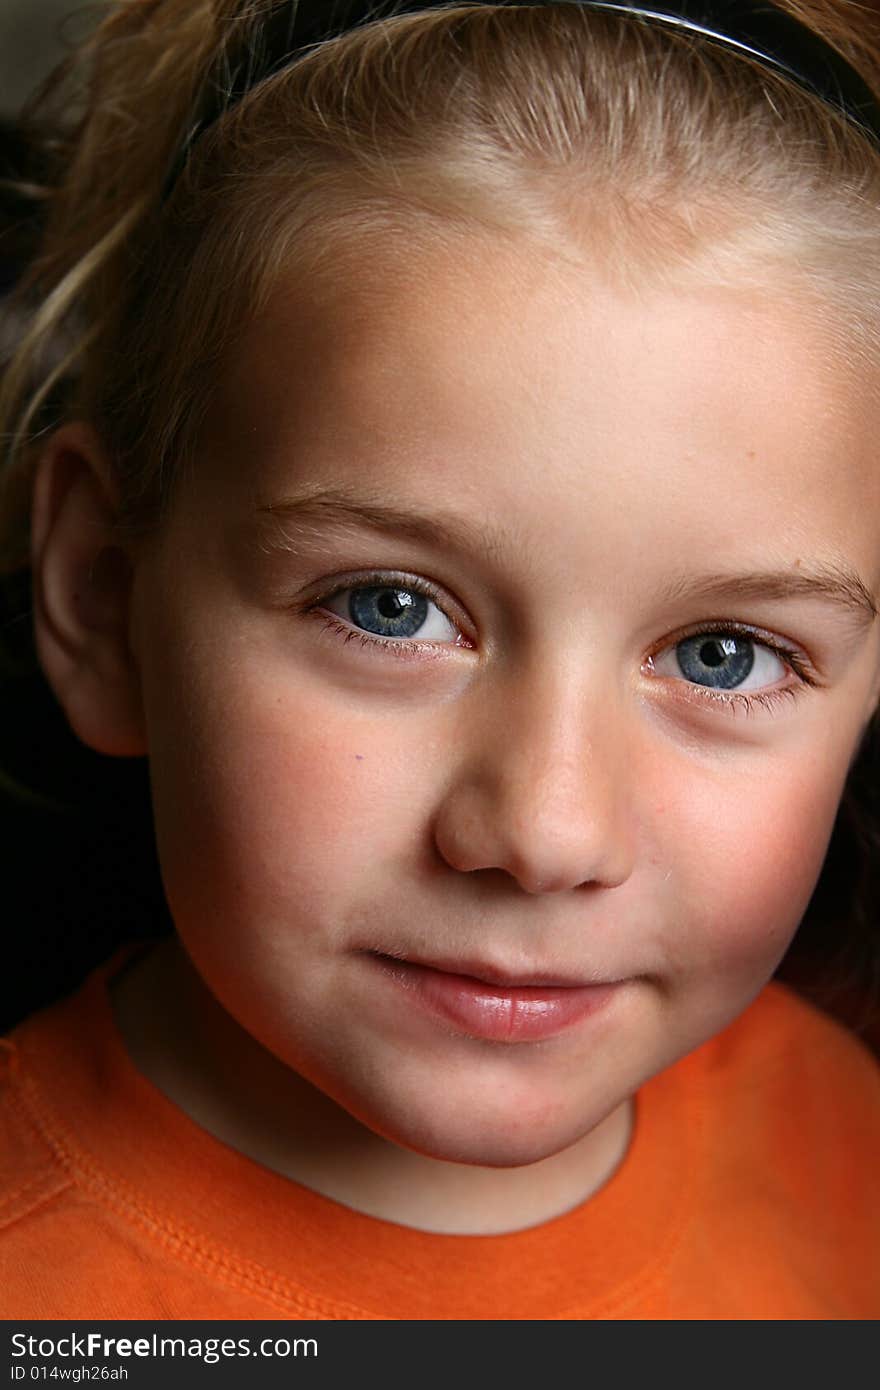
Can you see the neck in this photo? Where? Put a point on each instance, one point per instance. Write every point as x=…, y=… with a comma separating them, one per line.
x=202, y=1061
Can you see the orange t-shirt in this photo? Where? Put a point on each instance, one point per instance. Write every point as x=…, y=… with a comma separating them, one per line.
x=751, y=1189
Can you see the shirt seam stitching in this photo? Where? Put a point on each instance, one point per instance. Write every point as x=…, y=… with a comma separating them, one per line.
x=187, y=1245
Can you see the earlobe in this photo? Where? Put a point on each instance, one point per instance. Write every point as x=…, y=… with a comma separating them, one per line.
x=82, y=577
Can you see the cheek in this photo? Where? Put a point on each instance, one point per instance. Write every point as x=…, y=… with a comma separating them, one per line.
x=749, y=852
x=277, y=801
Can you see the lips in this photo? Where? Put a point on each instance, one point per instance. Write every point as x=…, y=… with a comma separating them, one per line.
x=482, y=1003
x=492, y=975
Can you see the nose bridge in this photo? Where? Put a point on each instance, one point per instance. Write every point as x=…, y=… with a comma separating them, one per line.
x=543, y=788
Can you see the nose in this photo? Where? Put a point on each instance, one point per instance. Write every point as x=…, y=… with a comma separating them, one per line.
x=543, y=790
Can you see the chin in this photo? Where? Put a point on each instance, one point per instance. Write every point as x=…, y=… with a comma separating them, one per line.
x=478, y=1139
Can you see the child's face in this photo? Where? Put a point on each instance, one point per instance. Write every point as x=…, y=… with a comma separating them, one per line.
x=561, y=783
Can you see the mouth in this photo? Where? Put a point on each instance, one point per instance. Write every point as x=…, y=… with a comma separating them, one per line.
x=493, y=1005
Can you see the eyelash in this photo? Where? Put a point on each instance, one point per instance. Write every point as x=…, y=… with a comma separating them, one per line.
x=401, y=647
x=731, y=701
x=746, y=702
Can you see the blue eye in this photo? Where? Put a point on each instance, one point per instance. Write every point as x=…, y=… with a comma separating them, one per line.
x=715, y=660
x=392, y=612
x=387, y=612
x=721, y=661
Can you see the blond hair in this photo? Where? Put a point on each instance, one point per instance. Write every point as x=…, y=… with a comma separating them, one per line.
x=555, y=122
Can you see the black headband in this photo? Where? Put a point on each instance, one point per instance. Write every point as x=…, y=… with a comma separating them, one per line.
x=753, y=28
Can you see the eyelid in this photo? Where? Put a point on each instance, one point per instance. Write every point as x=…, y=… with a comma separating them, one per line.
x=734, y=700
x=390, y=579
x=789, y=652
x=767, y=669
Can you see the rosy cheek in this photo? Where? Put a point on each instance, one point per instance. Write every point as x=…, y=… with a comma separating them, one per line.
x=289, y=798
x=745, y=884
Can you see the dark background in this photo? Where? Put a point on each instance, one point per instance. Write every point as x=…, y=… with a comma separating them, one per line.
x=78, y=872
x=31, y=41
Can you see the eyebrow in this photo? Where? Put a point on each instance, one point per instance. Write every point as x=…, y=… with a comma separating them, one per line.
x=334, y=507
x=835, y=584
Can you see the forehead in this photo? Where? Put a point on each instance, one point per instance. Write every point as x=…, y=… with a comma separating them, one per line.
x=515, y=383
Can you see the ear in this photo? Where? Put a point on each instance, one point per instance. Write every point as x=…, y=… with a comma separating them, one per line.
x=82, y=580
